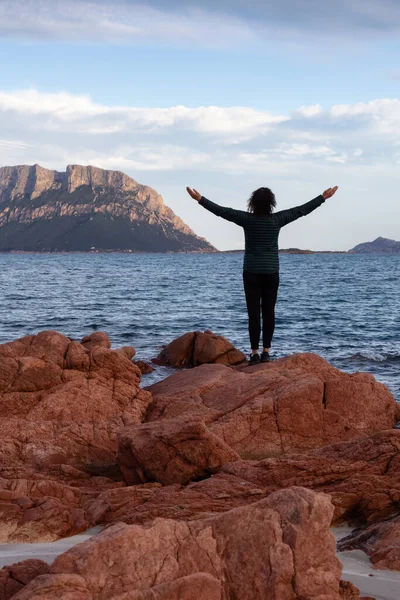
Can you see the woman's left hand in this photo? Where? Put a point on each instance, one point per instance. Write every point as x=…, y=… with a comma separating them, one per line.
x=194, y=193
x=330, y=192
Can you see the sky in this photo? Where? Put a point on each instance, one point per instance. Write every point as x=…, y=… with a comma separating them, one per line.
x=228, y=96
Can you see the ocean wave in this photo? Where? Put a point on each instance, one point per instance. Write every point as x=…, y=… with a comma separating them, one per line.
x=373, y=357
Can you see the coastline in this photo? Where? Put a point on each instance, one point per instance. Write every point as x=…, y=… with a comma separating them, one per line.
x=358, y=569
x=215, y=251
x=283, y=251
x=293, y=251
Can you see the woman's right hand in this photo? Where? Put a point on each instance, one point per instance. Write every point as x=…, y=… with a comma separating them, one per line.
x=194, y=194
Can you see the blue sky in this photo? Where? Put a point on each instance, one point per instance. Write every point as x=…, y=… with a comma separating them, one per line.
x=298, y=96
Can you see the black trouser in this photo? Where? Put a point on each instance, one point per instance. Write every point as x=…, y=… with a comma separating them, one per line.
x=261, y=290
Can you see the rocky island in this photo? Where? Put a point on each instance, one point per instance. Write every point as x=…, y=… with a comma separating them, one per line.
x=86, y=209
x=379, y=246
x=221, y=481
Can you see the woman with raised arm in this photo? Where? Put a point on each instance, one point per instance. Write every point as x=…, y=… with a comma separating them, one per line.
x=261, y=259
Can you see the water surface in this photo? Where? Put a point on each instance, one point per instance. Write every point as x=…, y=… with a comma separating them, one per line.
x=344, y=307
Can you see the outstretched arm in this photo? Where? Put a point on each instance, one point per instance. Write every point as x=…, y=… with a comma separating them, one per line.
x=240, y=217
x=292, y=214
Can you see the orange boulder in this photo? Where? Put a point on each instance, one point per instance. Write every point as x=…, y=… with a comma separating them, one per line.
x=292, y=405
x=171, y=451
x=198, y=348
x=286, y=541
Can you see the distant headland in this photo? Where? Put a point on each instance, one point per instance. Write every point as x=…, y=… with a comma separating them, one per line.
x=86, y=209
x=379, y=246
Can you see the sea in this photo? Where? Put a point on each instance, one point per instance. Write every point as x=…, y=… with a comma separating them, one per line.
x=344, y=307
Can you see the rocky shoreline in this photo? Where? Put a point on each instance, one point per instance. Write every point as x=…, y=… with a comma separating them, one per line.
x=220, y=482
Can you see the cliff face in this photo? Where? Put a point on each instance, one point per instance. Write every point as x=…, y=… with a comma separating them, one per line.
x=379, y=246
x=84, y=208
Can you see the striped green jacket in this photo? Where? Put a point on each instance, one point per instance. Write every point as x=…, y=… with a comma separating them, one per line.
x=261, y=232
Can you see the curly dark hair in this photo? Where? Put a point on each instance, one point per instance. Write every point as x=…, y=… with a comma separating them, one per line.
x=261, y=202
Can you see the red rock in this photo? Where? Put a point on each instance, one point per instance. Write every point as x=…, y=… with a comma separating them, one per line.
x=55, y=587
x=127, y=351
x=348, y=591
x=362, y=476
x=179, y=353
x=37, y=507
x=65, y=406
x=212, y=348
x=197, y=348
x=171, y=451
x=289, y=550
x=46, y=345
x=200, y=586
x=98, y=339
x=15, y=577
x=144, y=367
x=45, y=510
x=305, y=362
x=381, y=541
x=292, y=405
x=61, y=405
x=142, y=504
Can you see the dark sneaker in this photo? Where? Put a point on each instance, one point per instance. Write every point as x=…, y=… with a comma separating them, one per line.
x=265, y=357
x=254, y=359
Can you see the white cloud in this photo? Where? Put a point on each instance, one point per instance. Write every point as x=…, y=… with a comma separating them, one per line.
x=379, y=108
x=237, y=120
x=204, y=22
x=162, y=158
x=13, y=144
x=63, y=106
x=117, y=22
x=67, y=112
x=375, y=107
x=203, y=138
x=309, y=111
x=305, y=150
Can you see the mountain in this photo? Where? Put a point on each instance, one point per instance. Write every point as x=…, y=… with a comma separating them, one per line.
x=86, y=208
x=379, y=246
